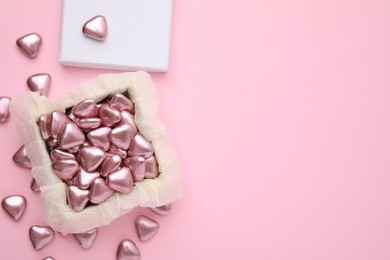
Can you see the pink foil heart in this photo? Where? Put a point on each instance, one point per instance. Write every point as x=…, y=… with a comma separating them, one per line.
x=39, y=83
x=146, y=228
x=21, y=158
x=29, y=44
x=91, y=157
x=121, y=180
x=87, y=124
x=84, y=179
x=121, y=103
x=86, y=108
x=41, y=236
x=162, y=210
x=141, y=147
x=65, y=169
x=110, y=164
x=122, y=136
x=109, y=115
x=99, y=137
x=4, y=108
x=96, y=28
x=137, y=166
x=151, y=168
x=57, y=154
x=86, y=239
x=71, y=136
x=116, y=150
x=58, y=122
x=127, y=250
x=14, y=206
x=100, y=191
x=77, y=198
x=128, y=119
x=34, y=186
x=44, y=126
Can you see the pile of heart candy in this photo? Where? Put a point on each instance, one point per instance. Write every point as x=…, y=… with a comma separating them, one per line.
x=95, y=149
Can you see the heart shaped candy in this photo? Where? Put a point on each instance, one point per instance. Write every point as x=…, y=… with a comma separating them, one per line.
x=109, y=115
x=86, y=239
x=88, y=124
x=128, y=119
x=44, y=126
x=96, y=28
x=58, y=121
x=21, y=158
x=39, y=83
x=127, y=250
x=140, y=147
x=91, y=157
x=146, y=228
x=29, y=44
x=121, y=180
x=77, y=198
x=41, y=236
x=71, y=136
x=122, y=136
x=162, y=210
x=99, y=137
x=86, y=108
x=116, y=150
x=121, y=102
x=110, y=164
x=99, y=191
x=151, y=168
x=14, y=206
x=57, y=154
x=65, y=169
x=84, y=179
x=137, y=166
x=34, y=186
x=4, y=108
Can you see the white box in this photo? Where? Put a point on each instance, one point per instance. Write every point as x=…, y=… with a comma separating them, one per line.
x=139, y=33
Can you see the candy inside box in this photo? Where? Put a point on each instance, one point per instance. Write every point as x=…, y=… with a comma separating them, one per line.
x=98, y=152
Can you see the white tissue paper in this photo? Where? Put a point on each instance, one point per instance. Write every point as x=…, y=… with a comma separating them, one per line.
x=166, y=188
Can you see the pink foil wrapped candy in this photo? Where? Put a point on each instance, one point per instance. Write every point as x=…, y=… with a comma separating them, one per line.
x=70, y=210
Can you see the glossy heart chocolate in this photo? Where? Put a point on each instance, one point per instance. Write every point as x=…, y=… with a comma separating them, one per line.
x=146, y=228
x=96, y=28
x=41, y=236
x=14, y=206
x=39, y=83
x=127, y=250
x=86, y=239
x=29, y=44
x=4, y=108
x=21, y=158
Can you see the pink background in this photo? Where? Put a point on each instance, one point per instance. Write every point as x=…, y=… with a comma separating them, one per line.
x=280, y=113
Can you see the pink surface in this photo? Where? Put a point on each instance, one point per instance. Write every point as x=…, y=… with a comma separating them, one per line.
x=280, y=113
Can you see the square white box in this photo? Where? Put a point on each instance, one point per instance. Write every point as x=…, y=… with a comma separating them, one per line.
x=138, y=37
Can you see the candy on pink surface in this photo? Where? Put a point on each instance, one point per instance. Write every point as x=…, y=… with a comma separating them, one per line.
x=162, y=210
x=86, y=239
x=21, y=158
x=77, y=198
x=14, y=206
x=121, y=180
x=39, y=82
x=127, y=250
x=41, y=236
x=146, y=228
x=29, y=44
x=34, y=186
x=4, y=108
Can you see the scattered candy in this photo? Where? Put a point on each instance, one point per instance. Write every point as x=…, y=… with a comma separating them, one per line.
x=96, y=28
x=34, y=186
x=96, y=149
x=21, y=158
x=127, y=250
x=86, y=239
x=41, y=236
x=29, y=44
x=146, y=228
x=4, y=108
x=39, y=83
x=162, y=210
x=14, y=206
